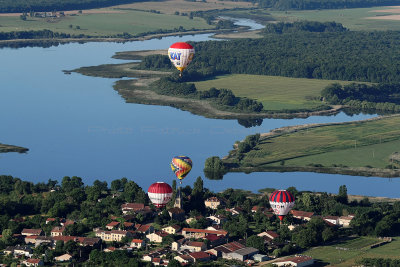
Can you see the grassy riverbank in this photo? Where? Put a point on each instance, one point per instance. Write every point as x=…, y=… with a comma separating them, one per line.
x=300, y=93
x=8, y=148
x=274, y=92
x=345, y=253
x=355, y=148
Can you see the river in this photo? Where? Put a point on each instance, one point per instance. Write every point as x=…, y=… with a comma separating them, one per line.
x=78, y=125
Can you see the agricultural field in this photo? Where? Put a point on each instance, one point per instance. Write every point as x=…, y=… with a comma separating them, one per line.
x=347, y=252
x=355, y=144
x=274, y=92
x=103, y=22
x=370, y=19
x=181, y=6
x=376, y=156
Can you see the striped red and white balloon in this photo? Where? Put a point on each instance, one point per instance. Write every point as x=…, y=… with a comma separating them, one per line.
x=160, y=194
x=281, y=202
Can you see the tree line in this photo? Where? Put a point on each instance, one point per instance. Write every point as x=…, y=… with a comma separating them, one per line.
x=303, y=26
x=384, y=97
x=222, y=97
x=48, y=34
x=11, y=6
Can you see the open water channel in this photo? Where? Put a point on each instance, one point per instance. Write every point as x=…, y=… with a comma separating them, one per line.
x=78, y=125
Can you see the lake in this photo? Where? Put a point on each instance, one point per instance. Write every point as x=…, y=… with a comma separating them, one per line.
x=78, y=125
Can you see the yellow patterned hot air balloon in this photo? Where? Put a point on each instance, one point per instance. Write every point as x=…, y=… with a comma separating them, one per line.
x=181, y=166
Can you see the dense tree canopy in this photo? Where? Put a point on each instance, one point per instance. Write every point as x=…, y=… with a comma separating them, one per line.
x=351, y=56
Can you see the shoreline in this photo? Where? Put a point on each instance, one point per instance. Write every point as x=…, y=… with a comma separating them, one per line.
x=118, y=40
x=139, y=91
x=205, y=108
x=232, y=165
x=361, y=171
x=9, y=148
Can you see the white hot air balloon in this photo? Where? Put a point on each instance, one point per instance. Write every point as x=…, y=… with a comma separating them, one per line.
x=181, y=54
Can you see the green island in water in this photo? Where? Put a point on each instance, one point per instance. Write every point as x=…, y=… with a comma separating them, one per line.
x=9, y=148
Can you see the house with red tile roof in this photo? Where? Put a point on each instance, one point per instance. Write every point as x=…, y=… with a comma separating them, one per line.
x=128, y=225
x=212, y=203
x=345, y=220
x=215, y=240
x=131, y=207
x=112, y=225
x=137, y=243
x=193, y=246
x=270, y=234
x=200, y=256
x=157, y=237
x=298, y=261
x=201, y=233
x=331, y=219
x=172, y=229
x=184, y=259
x=145, y=229
x=113, y=235
x=57, y=231
x=28, y=232
x=302, y=215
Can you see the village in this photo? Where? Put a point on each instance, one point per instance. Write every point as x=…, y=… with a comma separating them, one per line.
x=176, y=240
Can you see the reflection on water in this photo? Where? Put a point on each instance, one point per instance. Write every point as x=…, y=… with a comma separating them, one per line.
x=78, y=125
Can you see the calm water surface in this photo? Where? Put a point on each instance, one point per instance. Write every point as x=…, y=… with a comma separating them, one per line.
x=78, y=125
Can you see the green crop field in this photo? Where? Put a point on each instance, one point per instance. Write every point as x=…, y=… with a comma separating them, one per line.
x=274, y=92
x=96, y=23
x=353, y=18
x=346, y=253
x=376, y=156
x=354, y=144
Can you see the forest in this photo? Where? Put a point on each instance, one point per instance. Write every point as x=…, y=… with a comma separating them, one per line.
x=303, y=26
x=319, y=55
x=385, y=97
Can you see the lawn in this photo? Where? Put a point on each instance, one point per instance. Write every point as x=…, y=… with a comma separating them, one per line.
x=354, y=18
x=104, y=22
x=274, y=92
x=354, y=144
x=346, y=253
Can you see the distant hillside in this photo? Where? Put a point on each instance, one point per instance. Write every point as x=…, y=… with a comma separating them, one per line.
x=11, y=6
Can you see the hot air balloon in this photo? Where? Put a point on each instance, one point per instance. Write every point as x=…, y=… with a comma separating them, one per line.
x=181, y=166
x=281, y=202
x=160, y=194
x=181, y=54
